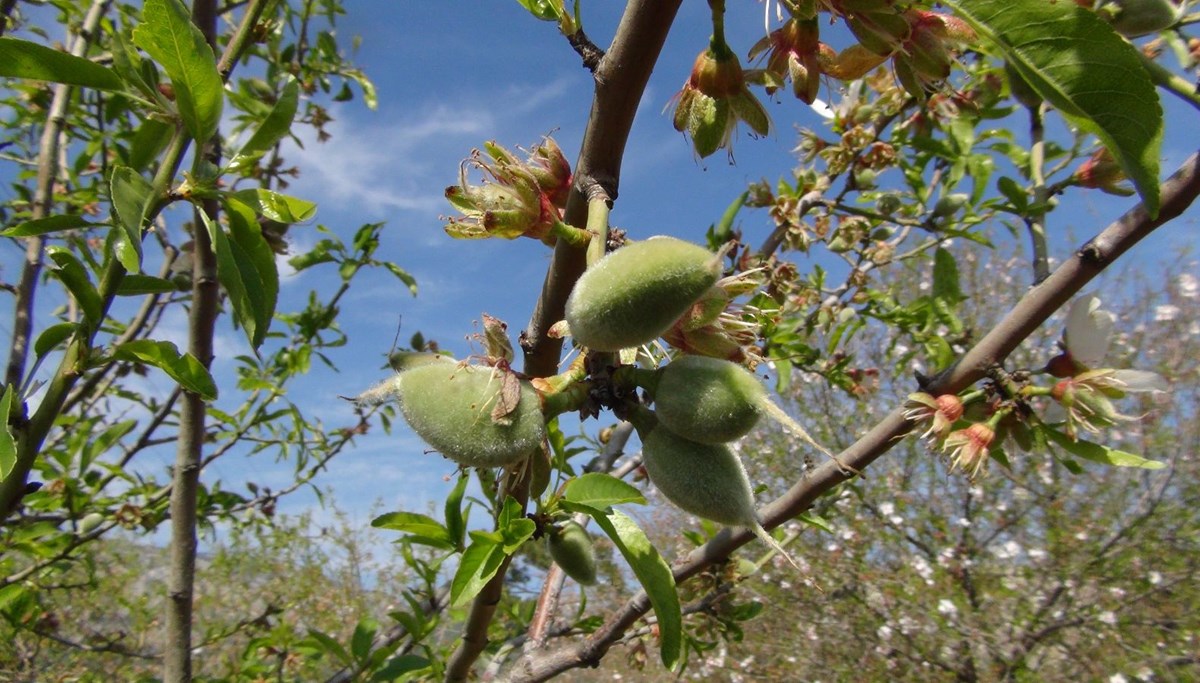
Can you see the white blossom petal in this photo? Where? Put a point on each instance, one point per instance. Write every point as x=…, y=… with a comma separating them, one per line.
x=1089, y=330
x=1139, y=381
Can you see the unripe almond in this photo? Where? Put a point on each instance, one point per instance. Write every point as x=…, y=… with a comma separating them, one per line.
x=707, y=399
x=452, y=407
x=572, y=550
x=711, y=400
x=707, y=480
x=634, y=295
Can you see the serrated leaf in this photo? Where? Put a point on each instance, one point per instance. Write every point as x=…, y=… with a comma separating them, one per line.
x=1079, y=64
x=8, y=445
x=275, y=206
x=256, y=261
x=74, y=276
x=479, y=563
x=131, y=197
x=1099, y=453
x=273, y=128
x=49, y=224
x=183, y=368
x=23, y=59
x=167, y=34
x=655, y=576
x=600, y=490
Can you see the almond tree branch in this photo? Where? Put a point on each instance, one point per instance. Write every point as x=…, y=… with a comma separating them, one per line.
x=202, y=318
x=620, y=79
x=1178, y=193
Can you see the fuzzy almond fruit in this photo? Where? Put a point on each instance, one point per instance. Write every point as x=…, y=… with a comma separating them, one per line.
x=707, y=480
x=571, y=547
x=634, y=295
x=453, y=408
x=711, y=400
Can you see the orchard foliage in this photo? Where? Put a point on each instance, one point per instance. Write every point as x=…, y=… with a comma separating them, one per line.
x=865, y=303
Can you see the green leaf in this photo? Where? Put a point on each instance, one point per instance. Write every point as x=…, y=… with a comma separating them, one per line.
x=456, y=525
x=8, y=445
x=945, y=277
x=1079, y=64
x=72, y=274
x=653, y=573
x=333, y=647
x=403, y=275
x=136, y=284
x=168, y=35
x=183, y=368
x=47, y=225
x=546, y=10
x=599, y=490
x=23, y=59
x=816, y=521
x=149, y=140
x=275, y=206
x=426, y=529
x=131, y=198
x=360, y=641
x=479, y=563
x=52, y=336
x=514, y=527
x=273, y=128
x=246, y=269
x=397, y=667
x=1098, y=453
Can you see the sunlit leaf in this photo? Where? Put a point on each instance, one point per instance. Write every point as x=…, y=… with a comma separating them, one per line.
x=275, y=206
x=183, y=368
x=131, y=197
x=600, y=490
x=72, y=274
x=8, y=445
x=1095, y=452
x=655, y=576
x=23, y=59
x=272, y=129
x=167, y=34
x=48, y=225
x=478, y=564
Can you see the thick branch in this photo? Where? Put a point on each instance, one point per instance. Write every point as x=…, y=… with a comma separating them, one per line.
x=1178, y=193
x=620, y=78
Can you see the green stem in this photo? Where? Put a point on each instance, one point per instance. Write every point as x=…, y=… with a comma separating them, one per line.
x=1036, y=222
x=1172, y=82
x=597, y=225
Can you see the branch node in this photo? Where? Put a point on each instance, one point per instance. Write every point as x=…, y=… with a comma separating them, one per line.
x=586, y=49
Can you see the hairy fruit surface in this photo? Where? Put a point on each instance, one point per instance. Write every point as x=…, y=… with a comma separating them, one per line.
x=571, y=548
x=634, y=295
x=708, y=399
x=453, y=408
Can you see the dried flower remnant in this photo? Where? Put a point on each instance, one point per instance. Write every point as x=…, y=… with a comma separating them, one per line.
x=1102, y=172
x=968, y=448
x=794, y=52
x=515, y=199
x=939, y=413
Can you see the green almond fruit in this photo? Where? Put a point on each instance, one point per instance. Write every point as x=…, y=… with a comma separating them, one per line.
x=1134, y=18
x=634, y=295
x=571, y=547
x=708, y=399
x=707, y=480
x=454, y=409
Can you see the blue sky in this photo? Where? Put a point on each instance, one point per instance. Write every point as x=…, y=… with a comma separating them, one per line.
x=449, y=77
